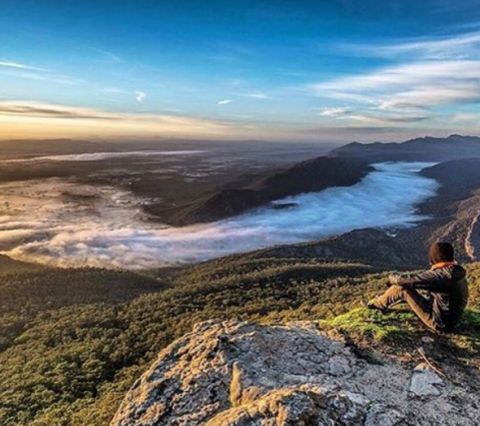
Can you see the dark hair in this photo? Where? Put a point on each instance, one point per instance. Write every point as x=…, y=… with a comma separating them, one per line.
x=441, y=252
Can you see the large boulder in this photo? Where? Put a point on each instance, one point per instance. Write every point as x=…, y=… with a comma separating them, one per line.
x=234, y=373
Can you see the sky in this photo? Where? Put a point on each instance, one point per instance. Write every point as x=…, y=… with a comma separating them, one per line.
x=327, y=71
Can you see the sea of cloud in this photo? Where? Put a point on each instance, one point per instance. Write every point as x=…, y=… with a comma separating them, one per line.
x=63, y=223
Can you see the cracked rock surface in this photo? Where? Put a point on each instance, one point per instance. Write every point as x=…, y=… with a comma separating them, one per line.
x=235, y=373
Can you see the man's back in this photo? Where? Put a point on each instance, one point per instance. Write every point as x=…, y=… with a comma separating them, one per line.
x=450, y=291
x=448, y=286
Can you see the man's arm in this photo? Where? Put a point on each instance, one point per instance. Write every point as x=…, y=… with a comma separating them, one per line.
x=436, y=281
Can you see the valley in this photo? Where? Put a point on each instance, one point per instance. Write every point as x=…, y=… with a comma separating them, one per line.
x=144, y=209
x=64, y=223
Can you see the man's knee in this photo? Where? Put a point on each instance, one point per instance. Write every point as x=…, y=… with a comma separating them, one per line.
x=397, y=289
x=400, y=292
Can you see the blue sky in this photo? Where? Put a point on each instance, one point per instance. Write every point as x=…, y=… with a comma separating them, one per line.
x=321, y=70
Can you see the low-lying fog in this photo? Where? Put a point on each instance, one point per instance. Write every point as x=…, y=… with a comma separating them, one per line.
x=64, y=223
x=98, y=156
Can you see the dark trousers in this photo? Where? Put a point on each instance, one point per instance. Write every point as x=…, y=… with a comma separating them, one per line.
x=424, y=307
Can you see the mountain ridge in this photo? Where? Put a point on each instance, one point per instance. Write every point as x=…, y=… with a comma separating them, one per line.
x=427, y=148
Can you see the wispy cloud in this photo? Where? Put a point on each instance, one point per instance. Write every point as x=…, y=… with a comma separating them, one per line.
x=39, y=109
x=19, y=66
x=46, y=77
x=113, y=90
x=140, y=96
x=371, y=117
x=424, y=74
x=61, y=115
x=108, y=56
x=459, y=46
x=23, y=119
x=467, y=118
x=333, y=112
x=385, y=119
x=255, y=95
x=408, y=87
x=224, y=102
x=29, y=72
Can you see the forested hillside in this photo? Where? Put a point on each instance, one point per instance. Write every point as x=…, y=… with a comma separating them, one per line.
x=73, y=341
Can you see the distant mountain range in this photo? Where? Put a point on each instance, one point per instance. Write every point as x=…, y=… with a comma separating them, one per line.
x=419, y=149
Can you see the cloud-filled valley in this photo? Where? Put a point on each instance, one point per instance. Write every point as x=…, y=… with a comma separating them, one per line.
x=64, y=223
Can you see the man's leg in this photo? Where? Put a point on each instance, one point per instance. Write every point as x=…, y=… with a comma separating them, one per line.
x=420, y=305
x=393, y=295
x=423, y=309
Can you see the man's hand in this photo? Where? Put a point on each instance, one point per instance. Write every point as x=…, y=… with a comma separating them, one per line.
x=393, y=279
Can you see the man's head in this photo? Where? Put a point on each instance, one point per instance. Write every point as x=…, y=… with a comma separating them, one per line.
x=441, y=252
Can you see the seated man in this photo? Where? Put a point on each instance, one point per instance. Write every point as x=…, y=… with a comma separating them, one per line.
x=445, y=290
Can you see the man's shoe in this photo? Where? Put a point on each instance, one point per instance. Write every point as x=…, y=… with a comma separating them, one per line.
x=374, y=305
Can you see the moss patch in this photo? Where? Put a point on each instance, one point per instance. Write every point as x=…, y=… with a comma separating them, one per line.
x=370, y=323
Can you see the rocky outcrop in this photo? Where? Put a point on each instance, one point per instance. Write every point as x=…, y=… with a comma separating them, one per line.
x=425, y=382
x=234, y=373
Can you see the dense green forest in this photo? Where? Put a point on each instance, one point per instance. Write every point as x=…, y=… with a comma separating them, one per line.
x=72, y=341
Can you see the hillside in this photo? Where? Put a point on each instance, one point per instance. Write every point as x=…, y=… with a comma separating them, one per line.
x=307, y=176
x=461, y=176
x=72, y=347
x=454, y=210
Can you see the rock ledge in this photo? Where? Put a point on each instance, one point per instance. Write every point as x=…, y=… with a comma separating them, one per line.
x=235, y=373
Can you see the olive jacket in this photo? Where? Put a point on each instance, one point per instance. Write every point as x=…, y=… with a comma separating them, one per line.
x=447, y=287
